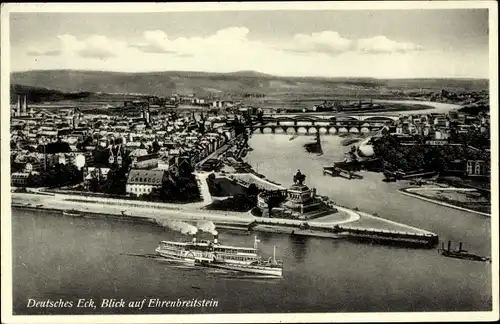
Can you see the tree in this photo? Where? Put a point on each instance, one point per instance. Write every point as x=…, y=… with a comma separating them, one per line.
x=273, y=200
x=88, y=141
x=116, y=181
x=155, y=146
x=60, y=175
x=57, y=147
x=35, y=180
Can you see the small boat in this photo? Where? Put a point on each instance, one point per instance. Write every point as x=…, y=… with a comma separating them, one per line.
x=460, y=253
x=72, y=213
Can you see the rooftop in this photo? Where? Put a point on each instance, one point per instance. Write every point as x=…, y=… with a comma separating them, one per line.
x=146, y=177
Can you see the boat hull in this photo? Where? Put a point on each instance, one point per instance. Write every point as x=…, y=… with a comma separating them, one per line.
x=263, y=270
x=464, y=256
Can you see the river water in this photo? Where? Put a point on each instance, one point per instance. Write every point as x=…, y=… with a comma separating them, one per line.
x=437, y=107
x=62, y=257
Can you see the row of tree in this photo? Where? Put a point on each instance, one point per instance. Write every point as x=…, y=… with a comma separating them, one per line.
x=56, y=176
x=180, y=186
x=429, y=157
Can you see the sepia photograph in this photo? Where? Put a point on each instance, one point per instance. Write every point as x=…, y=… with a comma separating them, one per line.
x=249, y=162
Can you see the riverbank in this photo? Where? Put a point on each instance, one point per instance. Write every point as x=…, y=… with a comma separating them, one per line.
x=389, y=232
x=414, y=192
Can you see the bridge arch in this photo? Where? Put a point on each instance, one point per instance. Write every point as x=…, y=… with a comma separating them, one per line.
x=302, y=130
x=312, y=130
x=365, y=130
x=290, y=130
x=267, y=130
x=353, y=130
x=323, y=130
x=279, y=130
x=343, y=130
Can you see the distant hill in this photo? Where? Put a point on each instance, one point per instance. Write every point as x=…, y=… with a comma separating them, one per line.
x=240, y=82
x=37, y=94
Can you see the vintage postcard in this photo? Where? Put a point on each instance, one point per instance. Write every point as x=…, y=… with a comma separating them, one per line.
x=249, y=162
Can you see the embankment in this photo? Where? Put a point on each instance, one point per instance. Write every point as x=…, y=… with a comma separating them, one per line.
x=414, y=194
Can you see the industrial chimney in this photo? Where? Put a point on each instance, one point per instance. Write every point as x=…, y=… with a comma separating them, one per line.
x=18, y=108
x=25, y=106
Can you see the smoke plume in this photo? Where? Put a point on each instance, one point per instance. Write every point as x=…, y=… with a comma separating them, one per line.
x=178, y=226
x=207, y=226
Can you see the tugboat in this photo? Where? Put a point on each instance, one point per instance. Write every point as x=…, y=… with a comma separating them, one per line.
x=460, y=253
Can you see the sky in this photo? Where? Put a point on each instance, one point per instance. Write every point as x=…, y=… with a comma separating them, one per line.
x=330, y=43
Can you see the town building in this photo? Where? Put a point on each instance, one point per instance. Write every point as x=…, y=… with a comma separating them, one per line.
x=19, y=179
x=476, y=168
x=142, y=182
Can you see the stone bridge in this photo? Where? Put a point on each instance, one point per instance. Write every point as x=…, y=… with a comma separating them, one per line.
x=302, y=124
x=320, y=117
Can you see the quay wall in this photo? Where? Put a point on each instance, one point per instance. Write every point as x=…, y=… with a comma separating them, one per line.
x=113, y=209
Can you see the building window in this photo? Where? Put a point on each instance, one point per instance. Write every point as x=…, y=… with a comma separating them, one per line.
x=469, y=167
x=478, y=168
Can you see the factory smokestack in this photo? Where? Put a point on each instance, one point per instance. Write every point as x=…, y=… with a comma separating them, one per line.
x=25, y=106
x=18, y=107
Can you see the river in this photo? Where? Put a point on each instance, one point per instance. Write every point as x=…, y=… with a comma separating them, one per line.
x=62, y=257
x=436, y=107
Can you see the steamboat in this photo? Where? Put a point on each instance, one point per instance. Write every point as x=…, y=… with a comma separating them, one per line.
x=216, y=255
x=460, y=253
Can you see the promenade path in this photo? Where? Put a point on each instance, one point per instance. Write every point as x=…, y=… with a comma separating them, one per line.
x=201, y=179
x=188, y=212
x=246, y=179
